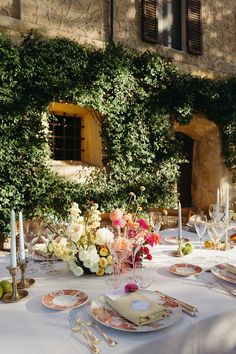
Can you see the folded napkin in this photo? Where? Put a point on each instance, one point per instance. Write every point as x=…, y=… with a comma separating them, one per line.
x=230, y=268
x=137, y=308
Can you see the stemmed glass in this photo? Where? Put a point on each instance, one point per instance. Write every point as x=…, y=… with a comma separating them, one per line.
x=200, y=223
x=155, y=220
x=32, y=236
x=216, y=211
x=120, y=250
x=135, y=245
x=216, y=231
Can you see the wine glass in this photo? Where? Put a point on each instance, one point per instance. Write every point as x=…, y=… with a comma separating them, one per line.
x=32, y=236
x=216, y=231
x=200, y=223
x=120, y=250
x=216, y=211
x=155, y=220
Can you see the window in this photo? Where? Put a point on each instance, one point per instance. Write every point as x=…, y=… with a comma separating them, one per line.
x=66, y=136
x=173, y=23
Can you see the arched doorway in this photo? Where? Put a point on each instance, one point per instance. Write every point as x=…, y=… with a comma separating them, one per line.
x=184, y=185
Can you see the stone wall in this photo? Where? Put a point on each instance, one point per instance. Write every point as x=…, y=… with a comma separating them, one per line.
x=87, y=21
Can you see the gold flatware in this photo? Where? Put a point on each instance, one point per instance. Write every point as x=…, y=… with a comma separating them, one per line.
x=88, y=322
x=75, y=327
x=187, y=308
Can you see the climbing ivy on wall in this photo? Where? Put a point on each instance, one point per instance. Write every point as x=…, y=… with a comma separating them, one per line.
x=138, y=96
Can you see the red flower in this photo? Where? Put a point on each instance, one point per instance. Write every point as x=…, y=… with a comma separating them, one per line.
x=149, y=256
x=146, y=250
x=143, y=224
x=131, y=287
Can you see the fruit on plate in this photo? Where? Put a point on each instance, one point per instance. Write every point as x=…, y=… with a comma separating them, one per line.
x=6, y=286
x=187, y=248
x=1, y=291
x=233, y=238
x=209, y=244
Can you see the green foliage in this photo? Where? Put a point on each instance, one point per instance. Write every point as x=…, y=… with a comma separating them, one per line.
x=137, y=94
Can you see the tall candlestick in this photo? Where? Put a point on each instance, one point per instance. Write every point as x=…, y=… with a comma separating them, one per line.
x=227, y=203
x=218, y=196
x=13, y=240
x=180, y=235
x=21, y=238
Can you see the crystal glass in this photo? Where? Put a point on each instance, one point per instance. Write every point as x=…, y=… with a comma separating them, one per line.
x=216, y=230
x=120, y=250
x=200, y=223
x=216, y=211
x=32, y=236
x=156, y=220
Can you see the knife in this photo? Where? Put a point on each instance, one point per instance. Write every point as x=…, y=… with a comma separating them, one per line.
x=189, y=309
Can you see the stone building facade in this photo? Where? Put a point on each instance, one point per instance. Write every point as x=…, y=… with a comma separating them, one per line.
x=97, y=21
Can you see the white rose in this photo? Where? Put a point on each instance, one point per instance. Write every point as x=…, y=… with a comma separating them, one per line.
x=88, y=263
x=103, y=236
x=76, y=230
x=94, y=268
x=77, y=270
x=83, y=255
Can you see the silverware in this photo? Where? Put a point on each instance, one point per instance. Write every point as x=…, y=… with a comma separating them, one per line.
x=222, y=287
x=187, y=308
x=76, y=328
x=85, y=319
x=77, y=319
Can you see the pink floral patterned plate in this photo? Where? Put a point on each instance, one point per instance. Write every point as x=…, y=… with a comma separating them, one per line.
x=220, y=271
x=185, y=269
x=104, y=314
x=64, y=299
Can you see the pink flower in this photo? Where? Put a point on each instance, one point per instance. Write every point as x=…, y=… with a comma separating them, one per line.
x=116, y=214
x=118, y=223
x=131, y=287
x=132, y=233
x=143, y=224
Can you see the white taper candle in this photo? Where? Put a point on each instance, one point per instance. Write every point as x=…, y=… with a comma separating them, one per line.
x=227, y=202
x=21, y=238
x=180, y=235
x=13, y=240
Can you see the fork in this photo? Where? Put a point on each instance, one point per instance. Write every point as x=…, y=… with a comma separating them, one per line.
x=76, y=328
x=77, y=320
x=212, y=284
x=88, y=322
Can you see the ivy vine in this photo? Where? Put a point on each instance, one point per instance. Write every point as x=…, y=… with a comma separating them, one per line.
x=137, y=94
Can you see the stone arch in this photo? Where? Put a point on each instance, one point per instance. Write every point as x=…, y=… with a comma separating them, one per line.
x=207, y=162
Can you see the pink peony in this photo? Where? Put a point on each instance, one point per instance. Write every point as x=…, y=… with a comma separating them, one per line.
x=116, y=214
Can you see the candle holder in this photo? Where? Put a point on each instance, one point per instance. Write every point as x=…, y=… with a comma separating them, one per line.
x=179, y=252
x=15, y=295
x=24, y=282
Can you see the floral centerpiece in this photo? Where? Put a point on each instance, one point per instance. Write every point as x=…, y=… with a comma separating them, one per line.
x=84, y=244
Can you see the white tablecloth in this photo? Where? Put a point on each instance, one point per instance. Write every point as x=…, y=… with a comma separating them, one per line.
x=27, y=327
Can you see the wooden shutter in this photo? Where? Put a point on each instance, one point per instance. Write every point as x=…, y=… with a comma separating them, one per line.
x=194, y=27
x=149, y=21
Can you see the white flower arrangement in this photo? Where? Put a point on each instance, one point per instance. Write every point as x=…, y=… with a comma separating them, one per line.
x=83, y=244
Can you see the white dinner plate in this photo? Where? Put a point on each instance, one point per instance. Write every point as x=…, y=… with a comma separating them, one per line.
x=64, y=299
x=104, y=314
x=174, y=240
x=220, y=271
x=185, y=269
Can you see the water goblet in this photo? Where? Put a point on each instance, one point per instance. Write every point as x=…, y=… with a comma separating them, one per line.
x=32, y=236
x=216, y=231
x=200, y=223
x=216, y=211
x=155, y=220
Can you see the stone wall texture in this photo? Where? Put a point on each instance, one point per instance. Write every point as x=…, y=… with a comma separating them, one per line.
x=87, y=21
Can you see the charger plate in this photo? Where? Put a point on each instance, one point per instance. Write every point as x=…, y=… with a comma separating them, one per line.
x=185, y=269
x=104, y=314
x=64, y=299
x=220, y=271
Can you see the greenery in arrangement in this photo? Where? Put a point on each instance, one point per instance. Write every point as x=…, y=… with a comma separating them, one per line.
x=138, y=96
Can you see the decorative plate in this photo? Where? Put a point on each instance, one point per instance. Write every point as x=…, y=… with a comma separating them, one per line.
x=220, y=271
x=174, y=240
x=105, y=314
x=64, y=299
x=185, y=269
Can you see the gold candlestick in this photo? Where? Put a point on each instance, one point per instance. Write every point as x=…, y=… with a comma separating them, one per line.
x=179, y=252
x=15, y=295
x=24, y=282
